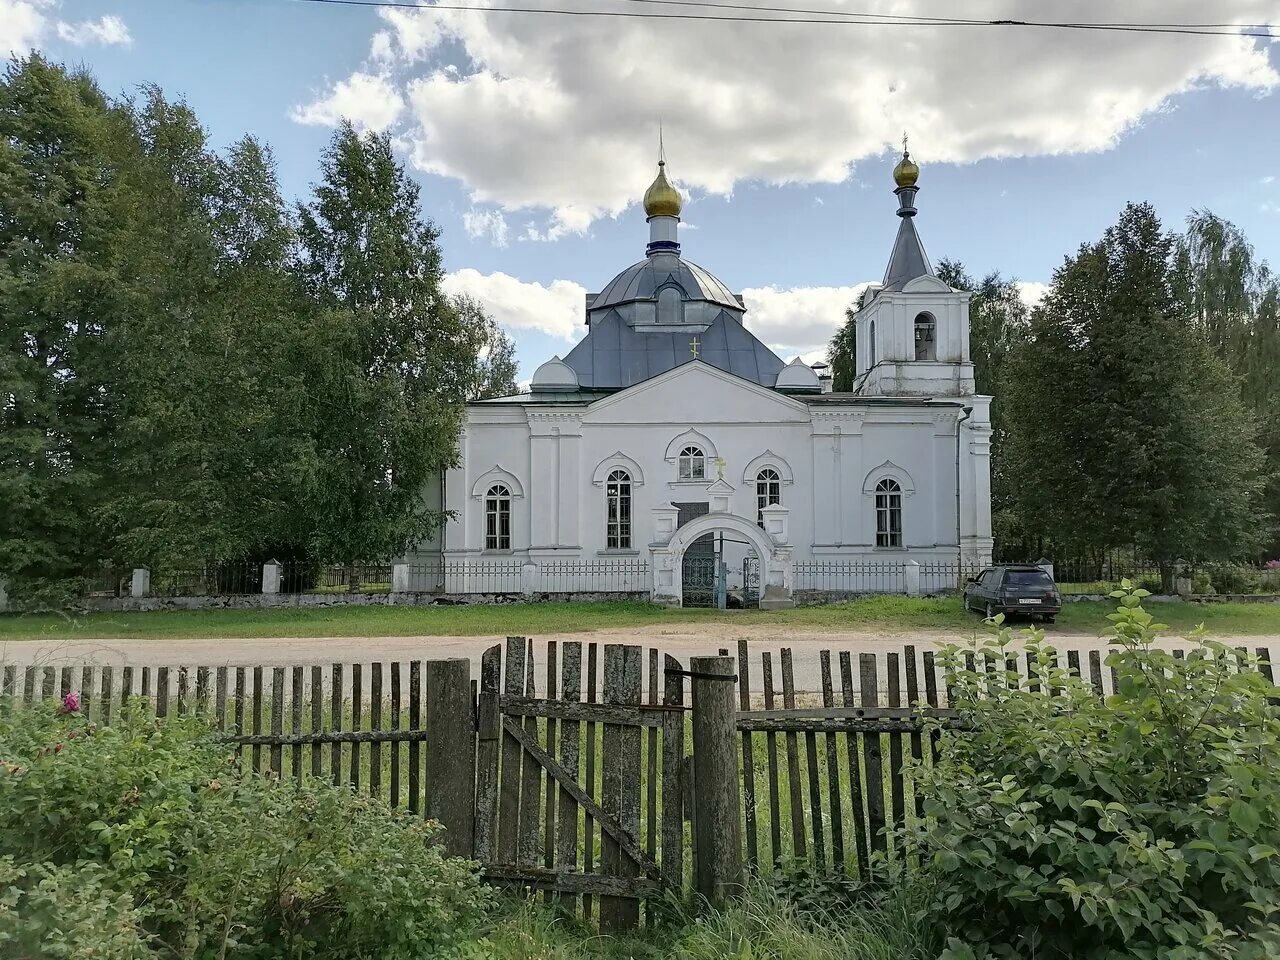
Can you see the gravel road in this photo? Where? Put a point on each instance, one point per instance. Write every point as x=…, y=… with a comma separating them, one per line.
x=680, y=641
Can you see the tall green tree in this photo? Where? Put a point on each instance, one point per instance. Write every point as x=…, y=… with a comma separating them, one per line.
x=1124, y=427
x=58, y=158
x=390, y=361
x=1234, y=299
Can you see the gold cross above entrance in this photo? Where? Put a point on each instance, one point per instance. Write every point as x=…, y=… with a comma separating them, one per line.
x=693, y=347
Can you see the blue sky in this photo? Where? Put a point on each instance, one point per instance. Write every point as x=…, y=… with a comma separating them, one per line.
x=533, y=137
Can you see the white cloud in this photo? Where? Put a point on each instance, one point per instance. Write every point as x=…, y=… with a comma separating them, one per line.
x=561, y=113
x=369, y=101
x=557, y=309
x=1032, y=291
x=1268, y=180
x=480, y=224
x=108, y=30
x=801, y=320
x=26, y=25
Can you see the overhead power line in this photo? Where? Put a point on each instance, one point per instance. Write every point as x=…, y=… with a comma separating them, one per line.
x=750, y=13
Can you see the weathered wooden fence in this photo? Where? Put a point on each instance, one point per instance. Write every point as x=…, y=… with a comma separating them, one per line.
x=605, y=775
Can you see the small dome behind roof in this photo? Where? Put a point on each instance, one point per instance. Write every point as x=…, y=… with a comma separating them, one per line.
x=554, y=376
x=662, y=199
x=798, y=377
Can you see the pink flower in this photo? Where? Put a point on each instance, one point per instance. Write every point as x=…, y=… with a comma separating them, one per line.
x=1273, y=565
x=71, y=702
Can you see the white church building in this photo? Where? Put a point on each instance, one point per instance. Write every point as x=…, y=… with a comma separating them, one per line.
x=672, y=445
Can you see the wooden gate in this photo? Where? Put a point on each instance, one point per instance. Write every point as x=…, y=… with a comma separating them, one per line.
x=579, y=792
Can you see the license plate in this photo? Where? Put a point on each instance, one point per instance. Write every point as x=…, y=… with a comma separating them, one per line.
x=1029, y=600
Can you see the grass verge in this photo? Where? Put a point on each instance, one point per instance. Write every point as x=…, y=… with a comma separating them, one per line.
x=889, y=614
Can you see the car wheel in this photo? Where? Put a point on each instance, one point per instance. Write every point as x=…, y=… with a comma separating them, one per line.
x=990, y=612
x=1050, y=619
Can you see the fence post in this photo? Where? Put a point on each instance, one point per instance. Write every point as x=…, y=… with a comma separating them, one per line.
x=530, y=574
x=4, y=595
x=271, y=576
x=717, y=811
x=911, y=577
x=451, y=752
x=1046, y=566
x=140, y=586
x=399, y=578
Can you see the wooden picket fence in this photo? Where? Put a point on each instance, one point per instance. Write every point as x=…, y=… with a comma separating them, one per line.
x=607, y=776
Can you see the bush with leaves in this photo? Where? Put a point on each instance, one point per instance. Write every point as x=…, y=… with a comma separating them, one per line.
x=178, y=849
x=1145, y=825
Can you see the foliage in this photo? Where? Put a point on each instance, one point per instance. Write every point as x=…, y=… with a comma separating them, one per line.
x=191, y=373
x=204, y=862
x=1123, y=426
x=1144, y=826
x=842, y=353
x=1234, y=300
x=390, y=360
x=53, y=913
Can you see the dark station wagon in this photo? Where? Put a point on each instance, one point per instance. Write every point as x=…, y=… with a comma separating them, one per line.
x=1013, y=589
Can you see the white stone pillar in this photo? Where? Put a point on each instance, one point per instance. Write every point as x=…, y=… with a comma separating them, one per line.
x=911, y=578
x=777, y=523
x=4, y=595
x=1046, y=566
x=530, y=578
x=399, y=578
x=271, y=576
x=140, y=586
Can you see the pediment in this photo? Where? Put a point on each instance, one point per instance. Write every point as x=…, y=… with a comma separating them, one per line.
x=697, y=393
x=925, y=284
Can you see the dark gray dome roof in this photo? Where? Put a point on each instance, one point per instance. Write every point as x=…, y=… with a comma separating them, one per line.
x=641, y=281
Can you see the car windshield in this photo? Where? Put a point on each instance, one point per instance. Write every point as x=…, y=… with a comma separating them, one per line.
x=1027, y=578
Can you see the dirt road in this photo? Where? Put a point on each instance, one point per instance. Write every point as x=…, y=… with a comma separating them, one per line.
x=679, y=640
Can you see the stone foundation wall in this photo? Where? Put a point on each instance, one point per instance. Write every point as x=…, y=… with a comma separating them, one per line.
x=270, y=601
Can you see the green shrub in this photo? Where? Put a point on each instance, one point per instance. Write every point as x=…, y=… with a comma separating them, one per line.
x=66, y=913
x=1146, y=826
x=205, y=862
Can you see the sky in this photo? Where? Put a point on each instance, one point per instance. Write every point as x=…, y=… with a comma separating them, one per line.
x=534, y=136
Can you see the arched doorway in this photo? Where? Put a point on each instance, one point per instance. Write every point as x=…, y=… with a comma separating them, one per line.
x=720, y=560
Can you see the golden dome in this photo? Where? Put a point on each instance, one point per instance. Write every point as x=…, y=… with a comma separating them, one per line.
x=662, y=199
x=907, y=172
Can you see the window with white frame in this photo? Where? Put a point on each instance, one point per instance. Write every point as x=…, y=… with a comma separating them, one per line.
x=888, y=513
x=617, y=492
x=692, y=464
x=497, y=518
x=768, y=492
x=926, y=337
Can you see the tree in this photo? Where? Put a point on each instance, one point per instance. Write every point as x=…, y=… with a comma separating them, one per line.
x=58, y=154
x=1123, y=426
x=1234, y=299
x=389, y=360
x=842, y=353
x=495, y=365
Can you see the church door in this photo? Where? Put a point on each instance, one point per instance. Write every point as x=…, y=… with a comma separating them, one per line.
x=700, y=571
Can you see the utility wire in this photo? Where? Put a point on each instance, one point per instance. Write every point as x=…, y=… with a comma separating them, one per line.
x=839, y=17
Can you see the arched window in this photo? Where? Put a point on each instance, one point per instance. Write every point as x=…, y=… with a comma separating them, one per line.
x=871, y=345
x=926, y=337
x=692, y=464
x=617, y=493
x=768, y=492
x=888, y=514
x=497, y=518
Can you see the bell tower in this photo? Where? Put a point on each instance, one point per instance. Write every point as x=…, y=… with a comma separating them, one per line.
x=912, y=330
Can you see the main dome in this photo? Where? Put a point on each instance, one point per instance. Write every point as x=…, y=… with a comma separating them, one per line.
x=641, y=281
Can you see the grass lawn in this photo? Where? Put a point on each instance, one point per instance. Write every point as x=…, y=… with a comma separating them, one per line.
x=887, y=613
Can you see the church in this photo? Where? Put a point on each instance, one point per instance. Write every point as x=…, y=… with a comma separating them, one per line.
x=672, y=445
